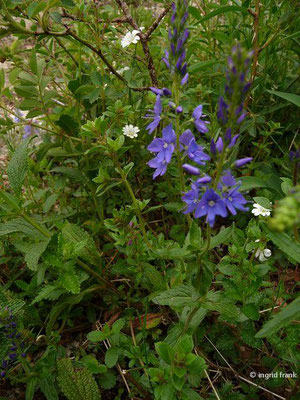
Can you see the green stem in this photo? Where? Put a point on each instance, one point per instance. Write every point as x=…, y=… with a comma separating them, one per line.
x=176, y=90
x=98, y=277
x=134, y=200
x=36, y=226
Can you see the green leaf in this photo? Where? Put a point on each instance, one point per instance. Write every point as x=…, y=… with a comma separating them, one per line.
x=179, y=296
x=76, y=384
x=35, y=7
x=30, y=388
x=222, y=10
x=262, y=201
x=72, y=234
x=222, y=237
x=291, y=97
x=2, y=79
x=19, y=225
x=154, y=277
x=252, y=182
x=194, y=237
x=17, y=167
x=68, y=124
x=186, y=344
x=69, y=281
x=48, y=292
x=34, y=253
x=96, y=336
x=197, y=366
x=201, y=65
x=165, y=352
x=280, y=320
x=251, y=311
x=93, y=365
x=290, y=247
x=173, y=253
x=67, y=3
x=111, y=357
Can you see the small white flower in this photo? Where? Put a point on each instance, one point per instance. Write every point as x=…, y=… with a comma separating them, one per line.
x=262, y=255
x=130, y=131
x=129, y=38
x=142, y=28
x=122, y=70
x=260, y=210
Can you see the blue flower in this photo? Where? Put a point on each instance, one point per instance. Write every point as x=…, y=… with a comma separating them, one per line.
x=191, y=198
x=160, y=164
x=234, y=200
x=191, y=169
x=243, y=161
x=199, y=124
x=185, y=139
x=165, y=145
x=228, y=179
x=196, y=153
x=211, y=205
x=155, y=114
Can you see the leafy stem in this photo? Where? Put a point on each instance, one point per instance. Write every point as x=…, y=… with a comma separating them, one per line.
x=133, y=198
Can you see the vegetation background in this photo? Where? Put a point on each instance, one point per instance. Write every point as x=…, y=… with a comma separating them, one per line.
x=107, y=289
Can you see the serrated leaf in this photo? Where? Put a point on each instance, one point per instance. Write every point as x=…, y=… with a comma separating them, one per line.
x=87, y=249
x=19, y=225
x=48, y=292
x=76, y=385
x=34, y=252
x=251, y=311
x=280, y=320
x=69, y=281
x=17, y=167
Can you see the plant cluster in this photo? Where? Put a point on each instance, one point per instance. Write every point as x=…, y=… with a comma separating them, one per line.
x=149, y=200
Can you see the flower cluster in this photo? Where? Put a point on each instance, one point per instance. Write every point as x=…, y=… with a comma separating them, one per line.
x=231, y=111
x=175, y=55
x=165, y=146
x=218, y=193
x=204, y=199
x=10, y=328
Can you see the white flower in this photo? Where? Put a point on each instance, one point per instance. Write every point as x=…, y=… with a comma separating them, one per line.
x=131, y=131
x=260, y=210
x=122, y=70
x=142, y=28
x=262, y=255
x=129, y=38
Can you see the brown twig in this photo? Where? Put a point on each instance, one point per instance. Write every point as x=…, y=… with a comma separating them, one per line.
x=256, y=50
x=156, y=22
x=255, y=39
x=97, y=51
x=144, y=41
